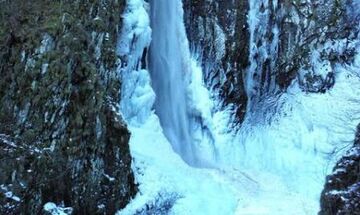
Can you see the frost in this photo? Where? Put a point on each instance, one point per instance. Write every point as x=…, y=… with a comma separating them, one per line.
x=101, y=206
x=23, y=114
x=219, y=42
x=6, y=139
x=99, y=38
x=57, y=210
x=162, y=204
x=353, y=151
x=44, y=68
x=47, y=44
x=10, y=195
x=23, y=56
x=109, y=177
x=339, y=170
x=98, y=128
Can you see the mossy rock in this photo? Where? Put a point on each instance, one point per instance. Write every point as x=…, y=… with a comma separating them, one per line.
x=58, y=137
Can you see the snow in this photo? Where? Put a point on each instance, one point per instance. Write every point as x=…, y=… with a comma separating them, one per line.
x=47, y=43
x=5, y=139
x=109, y=177
x=44, y=68
x=10, y=195
x=219, y=42
x=321, y=67
x=339, y=170
x=160, y=170
x=353, y=151
x=53, y=209
x=203, y=191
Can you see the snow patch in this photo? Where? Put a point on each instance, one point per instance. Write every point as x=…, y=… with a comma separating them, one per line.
x=53, y=209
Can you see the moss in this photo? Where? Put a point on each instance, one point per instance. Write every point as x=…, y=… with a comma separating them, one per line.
x=72, y=93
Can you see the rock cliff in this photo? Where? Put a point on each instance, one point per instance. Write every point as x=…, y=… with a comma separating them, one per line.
x=341, y=194
x=61, y=139
x=254, y=50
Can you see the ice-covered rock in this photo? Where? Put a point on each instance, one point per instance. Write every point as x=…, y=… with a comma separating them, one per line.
x=341, y=194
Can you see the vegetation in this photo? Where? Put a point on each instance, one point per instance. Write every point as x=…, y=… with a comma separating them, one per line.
x=58, y=99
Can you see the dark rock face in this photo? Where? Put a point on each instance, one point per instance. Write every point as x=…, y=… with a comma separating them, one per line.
x=218, y=30
x=61, y=139
x=306, y=26
x=287, y=43
x=341, y=194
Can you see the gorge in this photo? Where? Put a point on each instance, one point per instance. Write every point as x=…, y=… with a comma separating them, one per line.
x=180, y=107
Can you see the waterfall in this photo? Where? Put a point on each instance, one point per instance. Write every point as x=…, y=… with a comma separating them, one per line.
x=168, y=69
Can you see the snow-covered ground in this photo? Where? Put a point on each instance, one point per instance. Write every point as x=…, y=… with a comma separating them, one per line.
x=161, y=171
x=277, y=168
x=275, y=164
x=163, y=175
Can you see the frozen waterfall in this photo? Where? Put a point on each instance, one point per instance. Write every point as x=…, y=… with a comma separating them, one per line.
x=168, y=71
x=284, y=139
x=264, y=39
